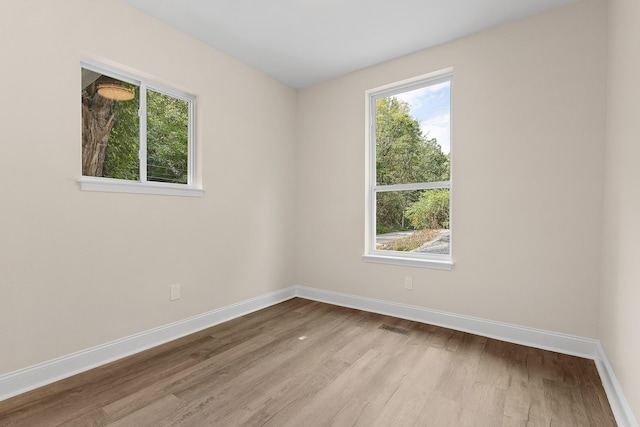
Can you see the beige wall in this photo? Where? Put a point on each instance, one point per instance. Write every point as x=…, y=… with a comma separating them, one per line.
x=78, y=269
x=528, y=129
x=620, y=295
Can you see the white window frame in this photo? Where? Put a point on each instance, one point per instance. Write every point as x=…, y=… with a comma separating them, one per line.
x=143, y=186
x=371, y=254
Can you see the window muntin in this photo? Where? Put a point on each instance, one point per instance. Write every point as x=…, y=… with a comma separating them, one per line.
x=141, y=135
x=409, y=178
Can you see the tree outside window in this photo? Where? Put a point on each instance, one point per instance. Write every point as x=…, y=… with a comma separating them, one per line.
x=410, y=172
x=132, y=131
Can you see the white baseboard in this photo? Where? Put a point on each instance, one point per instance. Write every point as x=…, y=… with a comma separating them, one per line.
x=561, y=343
x=36, y=376
x=568, y=344
x=619, y=405
x=26, y=379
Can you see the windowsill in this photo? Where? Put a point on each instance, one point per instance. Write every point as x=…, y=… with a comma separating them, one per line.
x=121, y=186
x=444, y=264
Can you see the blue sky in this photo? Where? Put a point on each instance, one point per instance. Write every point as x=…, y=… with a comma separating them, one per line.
x=432, y=108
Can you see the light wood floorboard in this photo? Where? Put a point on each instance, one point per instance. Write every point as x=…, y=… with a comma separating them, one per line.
x=305, y=363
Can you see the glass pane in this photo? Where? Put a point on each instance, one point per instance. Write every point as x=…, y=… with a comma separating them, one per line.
x=110, y=127
x=167, y=138
x=413, y=136
x=413, y=221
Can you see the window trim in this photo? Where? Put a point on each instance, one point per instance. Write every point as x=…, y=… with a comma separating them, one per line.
x=371, y=254
x=112, y=185
x=192, y=188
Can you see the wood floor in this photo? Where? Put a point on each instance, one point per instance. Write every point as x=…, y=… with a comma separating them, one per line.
x=304, y=363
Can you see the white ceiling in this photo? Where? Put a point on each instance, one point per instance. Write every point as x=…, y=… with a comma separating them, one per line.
x=303, y=42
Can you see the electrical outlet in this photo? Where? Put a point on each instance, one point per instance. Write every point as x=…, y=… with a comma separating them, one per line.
x=175, y=291
x=408, y=283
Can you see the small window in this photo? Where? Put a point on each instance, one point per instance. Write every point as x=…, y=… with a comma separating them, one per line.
x=136, y=136
x=409, y=173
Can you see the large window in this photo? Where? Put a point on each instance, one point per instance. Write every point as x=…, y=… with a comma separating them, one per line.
x=409, y=173
x=136, y=136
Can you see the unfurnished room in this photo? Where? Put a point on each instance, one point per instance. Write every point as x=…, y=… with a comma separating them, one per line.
x=320, y=213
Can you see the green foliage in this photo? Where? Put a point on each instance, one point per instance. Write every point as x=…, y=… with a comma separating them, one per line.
x=121, y=160
x=431, y=211
x=383, y=228
x=167, y=139
x=403, y=155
